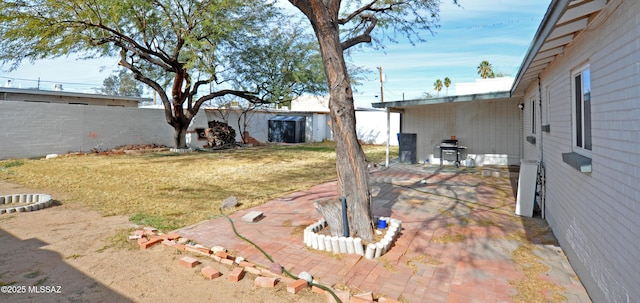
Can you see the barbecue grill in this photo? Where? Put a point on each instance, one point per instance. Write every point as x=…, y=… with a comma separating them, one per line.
x=449, y=148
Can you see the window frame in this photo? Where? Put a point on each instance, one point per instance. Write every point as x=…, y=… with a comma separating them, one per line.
x=580, y=124
x=547, y=107
x=533, y=117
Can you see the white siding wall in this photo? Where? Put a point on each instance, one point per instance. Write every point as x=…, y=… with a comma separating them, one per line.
x=490, y=129
x=596, y=216
x=531, y=103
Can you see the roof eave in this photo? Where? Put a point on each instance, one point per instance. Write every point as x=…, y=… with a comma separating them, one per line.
x=554, y=13
x=71, y=94
x=447, y=99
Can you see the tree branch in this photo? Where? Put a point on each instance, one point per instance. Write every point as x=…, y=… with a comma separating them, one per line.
x=357, y=12
x=249, y=96
x=138, y=75
x=369, y=8
x=365, y=37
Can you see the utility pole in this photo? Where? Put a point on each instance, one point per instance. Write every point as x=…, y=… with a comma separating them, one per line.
x=386, y=164
x=381, y=90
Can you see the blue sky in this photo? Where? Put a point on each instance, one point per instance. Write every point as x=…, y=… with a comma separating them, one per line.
x=499, y=31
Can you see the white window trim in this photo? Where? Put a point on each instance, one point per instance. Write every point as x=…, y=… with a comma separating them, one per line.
x=575, y=147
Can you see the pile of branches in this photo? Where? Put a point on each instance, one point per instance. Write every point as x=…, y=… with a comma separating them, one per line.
x=220, y=135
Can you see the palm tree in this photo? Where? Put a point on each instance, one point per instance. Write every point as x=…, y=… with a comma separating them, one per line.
x=447, y=83
x=485, y=70
x=438, y=86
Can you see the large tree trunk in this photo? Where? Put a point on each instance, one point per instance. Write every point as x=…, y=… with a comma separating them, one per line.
x=179, y=137
x=353, y=175
x=180, y=123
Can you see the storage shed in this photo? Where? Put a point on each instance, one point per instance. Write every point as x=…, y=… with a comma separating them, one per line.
x=288, y=129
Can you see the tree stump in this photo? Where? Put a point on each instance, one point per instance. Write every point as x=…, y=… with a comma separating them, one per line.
x=331, y=211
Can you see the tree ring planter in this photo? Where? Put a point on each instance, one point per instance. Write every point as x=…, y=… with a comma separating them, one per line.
x=181, y=150
x=349, y=245
x=24, y=203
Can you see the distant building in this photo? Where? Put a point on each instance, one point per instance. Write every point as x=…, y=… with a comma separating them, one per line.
x=46, y=96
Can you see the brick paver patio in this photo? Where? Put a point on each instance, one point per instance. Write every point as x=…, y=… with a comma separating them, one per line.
x=460, y=240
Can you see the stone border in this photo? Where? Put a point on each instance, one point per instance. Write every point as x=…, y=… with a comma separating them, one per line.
x=266, y=277
x=24, y=202
x=181, y=150
x=349, y=245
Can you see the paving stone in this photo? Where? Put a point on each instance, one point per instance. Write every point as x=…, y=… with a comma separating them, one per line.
x=236, y=274
x=210, y=272
x=275, y=268
x=216, y=249
x=253, y=216
x=484, y=255
x=171, y=236
x=266, y=282
x=253, y=270
x=362, y=298
x=343, y=295
x=189, y=262
x=198, y=250
x=297, y=285
x=226, y=261
x=317, y=290
x=169, y=242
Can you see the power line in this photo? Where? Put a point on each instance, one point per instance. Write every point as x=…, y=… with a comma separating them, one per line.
x=48, y=81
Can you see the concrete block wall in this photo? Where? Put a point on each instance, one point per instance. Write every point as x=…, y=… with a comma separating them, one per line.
x=370, y=125
x=34, y=129
x=596, y=216
x=30, y=129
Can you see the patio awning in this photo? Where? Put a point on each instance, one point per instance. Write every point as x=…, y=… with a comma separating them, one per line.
x=448, y=99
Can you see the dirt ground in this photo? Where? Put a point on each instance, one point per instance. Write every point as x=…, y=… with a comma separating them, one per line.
x=68, y=254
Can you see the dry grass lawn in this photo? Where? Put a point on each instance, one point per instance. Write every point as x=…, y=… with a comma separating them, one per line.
x=168, y=190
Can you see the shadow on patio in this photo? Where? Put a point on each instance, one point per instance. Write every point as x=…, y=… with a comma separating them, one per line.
x=460, y=240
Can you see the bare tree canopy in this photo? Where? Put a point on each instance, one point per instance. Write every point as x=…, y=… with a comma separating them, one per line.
x=176, y=47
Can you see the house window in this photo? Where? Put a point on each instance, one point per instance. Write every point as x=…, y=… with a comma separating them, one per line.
x=533, y=117
x=581, y=81
x=548, y=109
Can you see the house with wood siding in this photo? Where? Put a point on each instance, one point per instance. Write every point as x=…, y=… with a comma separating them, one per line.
x=574, y=108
